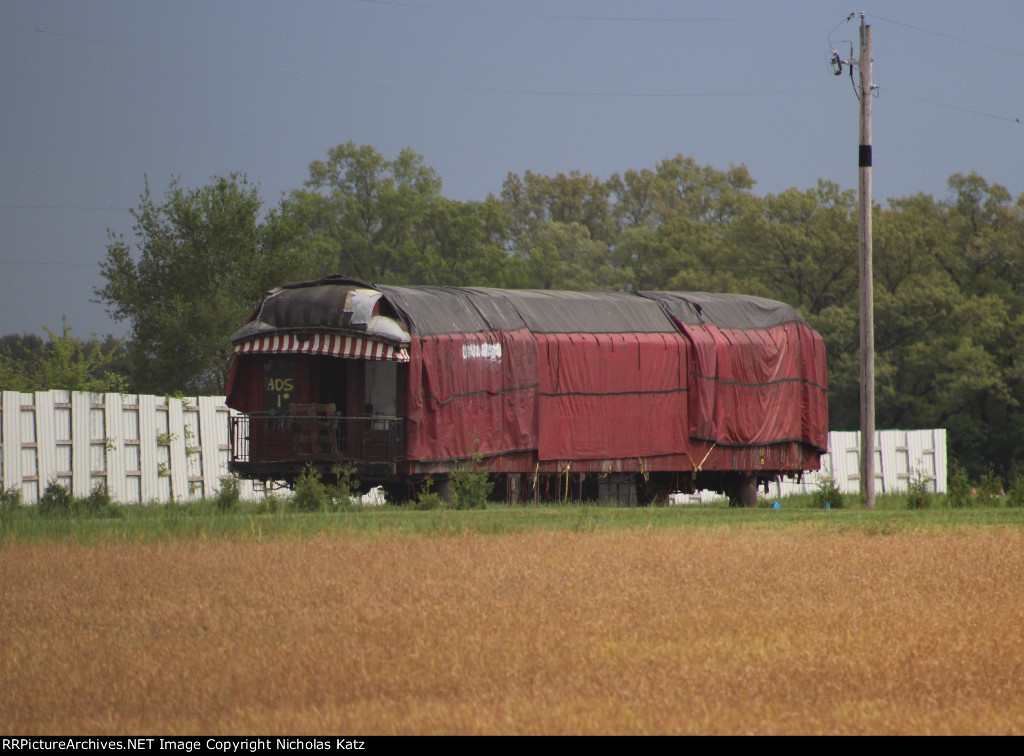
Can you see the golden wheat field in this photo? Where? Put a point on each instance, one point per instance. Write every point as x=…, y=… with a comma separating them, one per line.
x=546, y=633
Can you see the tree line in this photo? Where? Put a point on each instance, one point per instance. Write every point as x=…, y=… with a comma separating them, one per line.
x=949, y=272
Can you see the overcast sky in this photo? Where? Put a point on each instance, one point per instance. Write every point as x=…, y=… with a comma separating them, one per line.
x=96, y=95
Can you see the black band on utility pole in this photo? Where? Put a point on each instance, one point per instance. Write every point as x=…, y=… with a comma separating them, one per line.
x=865, y=156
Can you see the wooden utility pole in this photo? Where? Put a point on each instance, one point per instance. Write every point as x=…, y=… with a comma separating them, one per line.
x=867, y=302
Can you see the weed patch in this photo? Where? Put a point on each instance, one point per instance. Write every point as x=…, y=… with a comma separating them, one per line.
x=471, y=486
x=827, y=494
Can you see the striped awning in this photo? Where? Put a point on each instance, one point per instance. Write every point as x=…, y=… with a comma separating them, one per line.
x=329, y=344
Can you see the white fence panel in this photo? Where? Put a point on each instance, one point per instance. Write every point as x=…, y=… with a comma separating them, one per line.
x=213, y=437
x=141, y=447
x=899, y=456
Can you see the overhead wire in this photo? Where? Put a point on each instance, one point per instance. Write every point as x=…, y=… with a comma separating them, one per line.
x=972, y=111
x=664, y=268
x=8, y=206
x=963, y=40
x=536, y=92
x=61, y=263
x=419, y=84
x=947, y=36
x=566, y=16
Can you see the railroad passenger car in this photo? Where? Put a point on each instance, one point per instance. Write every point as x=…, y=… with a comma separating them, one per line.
x=621, y=396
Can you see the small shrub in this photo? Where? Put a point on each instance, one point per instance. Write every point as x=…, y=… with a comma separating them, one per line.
x=1015, y=496
x=97, y=503
x=10, y=498
x=959, y=490
x=229, y=495
x=10, y=503
x=919, y=490
x=344, y=488
x=428, y=499
x=311, y=495
x=56, y=499
x=271, y=504
x=990, y=489
x=827, y=492
x=472, y=486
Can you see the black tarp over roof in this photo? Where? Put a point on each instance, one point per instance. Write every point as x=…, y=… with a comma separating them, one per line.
x=436, y=310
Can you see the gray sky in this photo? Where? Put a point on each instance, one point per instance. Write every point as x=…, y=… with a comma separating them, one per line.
x=95, y=95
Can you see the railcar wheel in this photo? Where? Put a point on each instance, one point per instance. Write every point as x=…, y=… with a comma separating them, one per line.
x=742, y=491
x=399, y=493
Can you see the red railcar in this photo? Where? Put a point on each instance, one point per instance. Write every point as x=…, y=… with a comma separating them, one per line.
x=611, y=395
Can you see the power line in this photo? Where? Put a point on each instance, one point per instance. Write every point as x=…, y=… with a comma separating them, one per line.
x=837, y=64
x=983, y=113
x=49, y=262
x=920, y=265
x=5, y=206
x=568, y=16
x=949, y=36
x=423, y=85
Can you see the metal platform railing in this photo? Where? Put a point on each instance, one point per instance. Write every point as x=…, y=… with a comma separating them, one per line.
x=317, y=437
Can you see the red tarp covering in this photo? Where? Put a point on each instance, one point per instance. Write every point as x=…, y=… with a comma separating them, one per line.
x=606, y=396
x=471, y=392
x=569, y=396
x=755, y=387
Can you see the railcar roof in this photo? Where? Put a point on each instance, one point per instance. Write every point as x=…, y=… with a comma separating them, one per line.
x=432, y=310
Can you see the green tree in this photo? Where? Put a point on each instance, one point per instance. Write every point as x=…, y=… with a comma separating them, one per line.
x=633, y=196
x=700, y=193
x=948, y=309
x=365, y=216
x=462, y=244
x=563, y=256
x=19, y=354
x=802, y=246
x=203, y=258
x=536, y=200
x=677, y=226
x=65, y=362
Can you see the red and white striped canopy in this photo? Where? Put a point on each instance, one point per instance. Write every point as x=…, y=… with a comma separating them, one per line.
x=330, y=344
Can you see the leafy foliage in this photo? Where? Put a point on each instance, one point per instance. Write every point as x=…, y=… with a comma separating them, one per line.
x=229, y=495
x=1015, y=494
x=990, y=490
x=203, y=258
x=345, y=487
x=57, y=499
x=10, y=498
x=958, y=489
x=98, y=503
x=427, y=498
x=364, y=214
x=312, y=494
x=472, y=485
x=827, y=493
x=920, y=490
x=65, y=362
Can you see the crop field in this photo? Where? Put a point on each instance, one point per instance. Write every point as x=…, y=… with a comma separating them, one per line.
x=660, y=630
